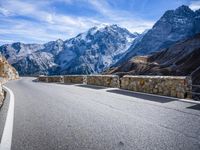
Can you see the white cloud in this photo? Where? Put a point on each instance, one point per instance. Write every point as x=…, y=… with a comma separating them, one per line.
x=5, y=41
x=194, y=5
x=122, y=18
x=4, y=11
x=46, y=25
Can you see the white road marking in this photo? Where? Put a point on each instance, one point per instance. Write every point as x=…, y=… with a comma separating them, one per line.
x=6, y=139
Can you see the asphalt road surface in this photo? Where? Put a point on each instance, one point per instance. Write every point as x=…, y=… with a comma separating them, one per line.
x=50, y=116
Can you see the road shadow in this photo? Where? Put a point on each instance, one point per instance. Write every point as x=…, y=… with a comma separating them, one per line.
x=92, y=86
x=68, y=83
x=195, y=107
x=35, y=80
x=142, y=96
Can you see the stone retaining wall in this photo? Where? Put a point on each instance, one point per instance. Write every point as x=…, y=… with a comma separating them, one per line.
x=1, y=95
x=42, y=79
x=104, y=80
x=7, y=71
x=57, y=79
x=76, y=79
x=173, y=86
x=161, y=85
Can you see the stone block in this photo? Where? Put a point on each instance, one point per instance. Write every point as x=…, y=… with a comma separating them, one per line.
x=55, y=79
x=163, y=85
x=105, y=80
x=75, y=79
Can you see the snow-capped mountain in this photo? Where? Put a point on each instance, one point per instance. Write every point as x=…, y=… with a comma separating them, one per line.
x=173, y=26
x=16, y=51
x=89, y=52
x=95, y=50
x=101, y=47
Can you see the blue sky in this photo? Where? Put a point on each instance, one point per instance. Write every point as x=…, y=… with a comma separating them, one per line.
x=40, y=21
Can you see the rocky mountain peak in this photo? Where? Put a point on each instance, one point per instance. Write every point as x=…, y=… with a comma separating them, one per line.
x=17, y=45
x=101, y=47
x=109, y=29
x=184, y=10
x=173, y=26
x=181, y=12
x=197, y=13
x=176, y=15
x=59, y=41
x=89, y=52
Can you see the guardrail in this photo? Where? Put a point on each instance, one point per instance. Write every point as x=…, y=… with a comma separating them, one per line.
x=104, y=80
x=75, y=79
x=57, y=79
x=173, y=86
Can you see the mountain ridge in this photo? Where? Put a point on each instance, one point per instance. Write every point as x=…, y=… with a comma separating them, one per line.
x=102, y=45
x=174, y=25
x=100, y=48
x=182, y=58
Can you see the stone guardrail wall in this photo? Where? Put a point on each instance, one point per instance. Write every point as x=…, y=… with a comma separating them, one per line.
x=76, y=79
x=1, y=95
x=160, y=85
x=179, y=87
x=42, y=78
x=104, y=80
x=57, y=79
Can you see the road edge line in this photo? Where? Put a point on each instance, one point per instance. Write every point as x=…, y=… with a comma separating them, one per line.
x=6, y=139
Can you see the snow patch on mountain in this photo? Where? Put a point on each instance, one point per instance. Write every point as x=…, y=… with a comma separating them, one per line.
x=89, y=52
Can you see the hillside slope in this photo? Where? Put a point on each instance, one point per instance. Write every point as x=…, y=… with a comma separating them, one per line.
x=7, y=72
x=173, y=26
x=181, y=59
x=90, y=52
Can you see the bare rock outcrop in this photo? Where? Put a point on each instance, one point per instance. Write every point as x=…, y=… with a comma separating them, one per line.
x=7, y=72
x=180, y=59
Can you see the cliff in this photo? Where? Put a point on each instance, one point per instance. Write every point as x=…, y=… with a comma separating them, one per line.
x=7, y=72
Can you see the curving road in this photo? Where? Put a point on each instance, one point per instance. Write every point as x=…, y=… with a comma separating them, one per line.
x=51, y=116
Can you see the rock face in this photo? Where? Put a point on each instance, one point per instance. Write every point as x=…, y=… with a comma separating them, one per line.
x=17, y=51
x=7, y=72
x=95, y=50
x=36, y=63
x=173, y=26
x=1, y=95
x=180, y=59
x=89, y=52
